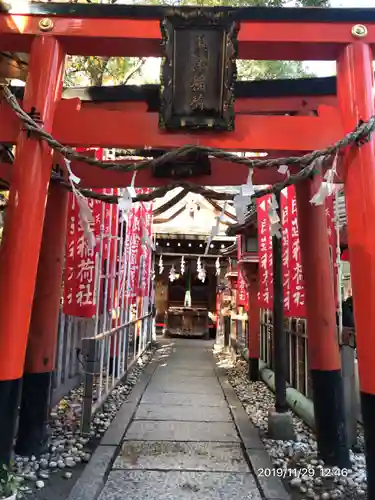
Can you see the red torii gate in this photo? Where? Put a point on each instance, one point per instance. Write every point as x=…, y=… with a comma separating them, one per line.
x=49, y=31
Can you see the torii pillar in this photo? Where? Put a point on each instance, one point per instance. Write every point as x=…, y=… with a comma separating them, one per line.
x=19, y=253
x=355, y=87
x=323, y=352
x=42, y=341
x=249, y=268
x=232, y=277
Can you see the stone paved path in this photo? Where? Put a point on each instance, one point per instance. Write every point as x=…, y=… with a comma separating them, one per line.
x=182, y=443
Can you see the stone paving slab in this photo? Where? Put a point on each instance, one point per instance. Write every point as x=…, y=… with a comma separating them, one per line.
x=173, y=485
x=175, y=399
x=225, y=457
x=186, y=386
x=189, y=438
x=190, y=365
x=141, y=430
x=174, y=377
x=181, y=371
x=191, y=342
x=194, y=355
x=183, y=413
x=184, y=375
x=188, y=370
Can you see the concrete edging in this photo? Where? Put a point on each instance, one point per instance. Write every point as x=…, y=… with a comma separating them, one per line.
x=91, y=482
x=258, y=459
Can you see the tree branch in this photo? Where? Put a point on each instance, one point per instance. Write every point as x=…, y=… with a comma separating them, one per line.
x=135, y=70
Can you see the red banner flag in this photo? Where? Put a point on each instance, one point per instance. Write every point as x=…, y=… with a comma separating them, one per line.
x=332, y=241
x=297, y=290
x=241, y=283
x=110, y=226
x=286, y=247
x=135, y=235
x=80, y=261
x=110, y=217
x=147, y=250
x=293, y=283
x=265, y=253
x=218, y=302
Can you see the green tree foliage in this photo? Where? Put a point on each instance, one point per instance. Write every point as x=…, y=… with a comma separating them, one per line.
x=98, y=71
x=271, y=70
x=94, y=70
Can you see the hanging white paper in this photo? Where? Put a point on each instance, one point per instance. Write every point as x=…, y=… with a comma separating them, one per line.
x=87, y=220
x=131, y=189
x=85, y=213
x=172, y=274
x=215, y=228
x=275, y=226
x=272, y=210
x=283, y=170
x=146, y=238
x=273, y=216
x=202, y=274
x=160, y=264
x=125, y=204
x=126, y=201
x=182, y=266
x=248, y=188
x=275, y=230
x=72, y=177
x=329, y=177
x=240, y=204
x=274, y=203
x=326, y=188
x=217, y=266
x=320, y=196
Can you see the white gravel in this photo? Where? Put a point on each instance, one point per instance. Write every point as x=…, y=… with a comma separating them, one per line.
x=67, y=447
x=301, y=455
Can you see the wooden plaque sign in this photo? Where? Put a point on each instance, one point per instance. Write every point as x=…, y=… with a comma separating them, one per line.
x=198, y=71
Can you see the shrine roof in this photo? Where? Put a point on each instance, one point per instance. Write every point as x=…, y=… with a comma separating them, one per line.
x=144, y=12
x=229, y=251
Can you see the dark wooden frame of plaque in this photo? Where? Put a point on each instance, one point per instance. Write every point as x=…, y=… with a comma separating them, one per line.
x=199, y=18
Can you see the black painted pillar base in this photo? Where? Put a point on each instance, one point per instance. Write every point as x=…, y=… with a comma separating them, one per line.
x=32, y=436
x=113, y=365
x=368, y=418
x=254, y=375
x=226, y=331
x=9, y=400
x=328, y=397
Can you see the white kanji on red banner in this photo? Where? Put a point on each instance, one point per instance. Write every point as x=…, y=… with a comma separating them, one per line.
x=241, y=283
x=297, y=289
x=80, y=260
x=265, y=254
x=332, y=241
x=285, y=248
